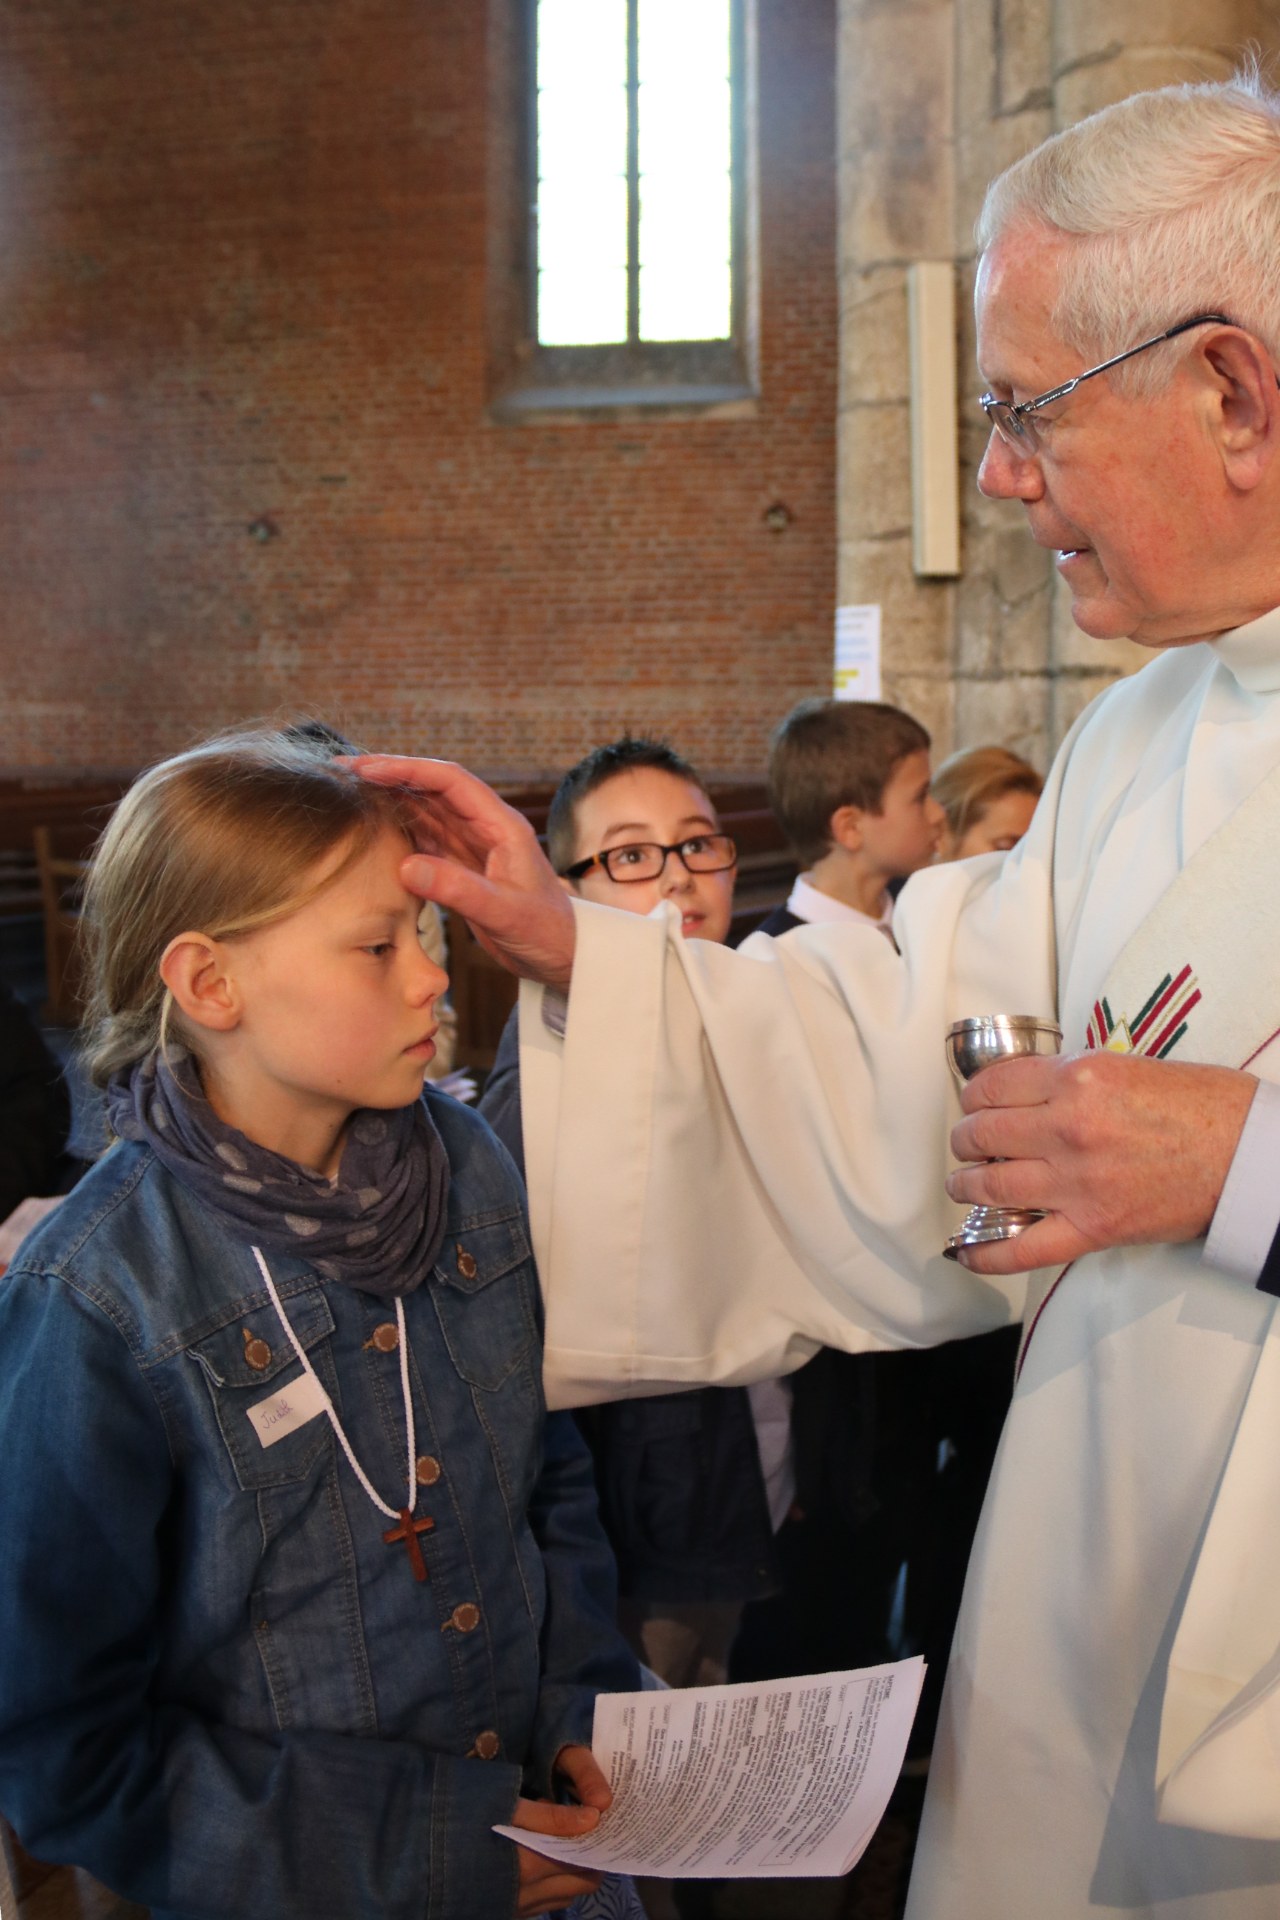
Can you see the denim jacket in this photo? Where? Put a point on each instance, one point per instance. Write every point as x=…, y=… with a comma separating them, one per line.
x=221, y=1690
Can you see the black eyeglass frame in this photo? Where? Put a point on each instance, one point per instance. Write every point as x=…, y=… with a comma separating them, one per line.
x=601, y=860
x=1019, y=432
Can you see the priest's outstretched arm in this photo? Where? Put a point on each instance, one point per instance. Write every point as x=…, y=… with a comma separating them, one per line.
x=736, y=1157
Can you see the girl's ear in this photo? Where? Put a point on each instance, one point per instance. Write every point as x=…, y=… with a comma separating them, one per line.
x=194, y=969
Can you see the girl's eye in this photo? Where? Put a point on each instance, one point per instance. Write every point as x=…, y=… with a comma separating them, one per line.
x=696, y=845
x=378, y=948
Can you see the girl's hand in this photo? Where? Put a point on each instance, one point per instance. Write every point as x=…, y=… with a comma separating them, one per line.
x=547, y=1884
x=589, y=1786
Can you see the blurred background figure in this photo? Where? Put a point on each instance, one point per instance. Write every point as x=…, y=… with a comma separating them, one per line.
x=988, y=795
x=35, y=1111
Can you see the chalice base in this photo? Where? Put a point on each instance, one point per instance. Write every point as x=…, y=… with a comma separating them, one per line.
x=982, y=1225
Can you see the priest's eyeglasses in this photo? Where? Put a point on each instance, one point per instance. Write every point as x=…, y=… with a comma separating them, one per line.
x=645, y=859
x=1016, y=425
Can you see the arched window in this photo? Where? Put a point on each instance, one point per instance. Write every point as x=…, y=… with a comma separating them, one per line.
x=635, y=254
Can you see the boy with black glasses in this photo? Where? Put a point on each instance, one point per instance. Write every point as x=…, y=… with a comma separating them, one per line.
x=680, y=1475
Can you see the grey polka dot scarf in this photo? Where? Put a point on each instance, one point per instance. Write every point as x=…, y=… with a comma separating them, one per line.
x=377, y=1225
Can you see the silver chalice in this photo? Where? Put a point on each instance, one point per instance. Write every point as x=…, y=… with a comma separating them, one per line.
x=972, y=1045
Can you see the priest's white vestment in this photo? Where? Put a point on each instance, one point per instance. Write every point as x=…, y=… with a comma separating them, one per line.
x=735, y=1158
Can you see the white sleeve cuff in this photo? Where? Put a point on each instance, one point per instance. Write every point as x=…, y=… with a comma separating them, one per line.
x=1248, y=1213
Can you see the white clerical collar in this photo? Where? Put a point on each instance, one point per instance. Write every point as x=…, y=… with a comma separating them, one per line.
x=1251, y=654
x=819, y=909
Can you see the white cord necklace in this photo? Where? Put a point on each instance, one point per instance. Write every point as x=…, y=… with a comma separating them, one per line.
x=407, y=1528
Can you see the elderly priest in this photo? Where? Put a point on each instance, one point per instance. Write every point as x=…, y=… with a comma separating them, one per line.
x=735, y=1157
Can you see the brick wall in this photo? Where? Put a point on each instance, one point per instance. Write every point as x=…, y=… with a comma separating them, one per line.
x=246, y=465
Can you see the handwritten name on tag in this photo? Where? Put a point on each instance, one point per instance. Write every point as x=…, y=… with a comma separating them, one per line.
x=287, y=1409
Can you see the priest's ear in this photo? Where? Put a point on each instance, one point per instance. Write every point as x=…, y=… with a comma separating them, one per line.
x=1246, y=401
x=195, y=970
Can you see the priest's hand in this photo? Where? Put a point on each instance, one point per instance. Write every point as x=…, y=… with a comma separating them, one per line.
x=480, y=857
x=1114, y=1149
x=548, y=1884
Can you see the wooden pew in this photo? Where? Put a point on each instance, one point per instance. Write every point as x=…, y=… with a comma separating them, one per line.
x=70, y=812
x=26, y=804
x=62, y=861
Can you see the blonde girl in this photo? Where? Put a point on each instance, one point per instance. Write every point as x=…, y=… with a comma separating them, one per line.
x=301, y=1591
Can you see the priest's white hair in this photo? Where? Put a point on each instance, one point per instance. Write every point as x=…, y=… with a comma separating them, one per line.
x=1173, y=198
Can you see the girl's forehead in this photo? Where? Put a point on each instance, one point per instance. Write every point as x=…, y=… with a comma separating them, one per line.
x=355, y=871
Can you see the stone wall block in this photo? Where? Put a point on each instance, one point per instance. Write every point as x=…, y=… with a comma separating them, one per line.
x=1023, y=41
x=1086, y=29
x=981, y=157
x=1022, y=569
x=873, y=335
x=873, y=477
x=996, y=634
x=1022, y=633
x=917, y=616
x=931, y=698
x=978, y=622
x=1014, y=712
x=895, y=205
x=975, y=57
x=1084, y=90
x=896, y=75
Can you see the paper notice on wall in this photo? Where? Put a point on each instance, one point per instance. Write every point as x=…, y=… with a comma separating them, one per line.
x=857, y=653
x=788, y=1777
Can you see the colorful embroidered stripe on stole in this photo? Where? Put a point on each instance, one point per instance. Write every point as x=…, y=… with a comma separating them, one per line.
x=1159, y=1025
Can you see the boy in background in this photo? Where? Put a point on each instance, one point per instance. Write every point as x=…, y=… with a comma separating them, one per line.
x=682, y=1490
x=849, y=781
x=850, y=784
x=888, y=1446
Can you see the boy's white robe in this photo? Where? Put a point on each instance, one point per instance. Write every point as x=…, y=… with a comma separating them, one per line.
x=735, y=1158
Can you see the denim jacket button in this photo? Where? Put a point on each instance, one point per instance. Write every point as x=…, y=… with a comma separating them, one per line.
x=487, y=1745
x=427, y=1470
x=466, y=1619
x=466, y=1264
x=257, y=1353
x=386, y=1338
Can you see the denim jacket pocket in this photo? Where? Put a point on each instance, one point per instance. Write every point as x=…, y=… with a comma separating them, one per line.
x=483, y=1294
x=241, y=1363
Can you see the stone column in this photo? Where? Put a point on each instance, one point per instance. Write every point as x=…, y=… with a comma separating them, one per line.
x=895, y=123
x=1000, y=647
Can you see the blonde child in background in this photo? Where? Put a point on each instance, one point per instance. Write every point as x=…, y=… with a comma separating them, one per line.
x=988, y=795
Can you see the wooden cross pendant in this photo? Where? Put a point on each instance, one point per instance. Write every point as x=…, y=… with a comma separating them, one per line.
x=408, y=1531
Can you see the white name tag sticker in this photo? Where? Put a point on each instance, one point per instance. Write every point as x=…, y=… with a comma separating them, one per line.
x=287, y=1409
